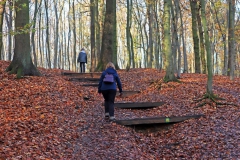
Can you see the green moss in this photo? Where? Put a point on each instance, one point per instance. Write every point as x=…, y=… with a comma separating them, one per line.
x=19, y=73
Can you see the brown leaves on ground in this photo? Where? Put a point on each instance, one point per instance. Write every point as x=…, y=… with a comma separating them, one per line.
x=47, y=118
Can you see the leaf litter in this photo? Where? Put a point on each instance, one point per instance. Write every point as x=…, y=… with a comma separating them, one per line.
x=48, y=118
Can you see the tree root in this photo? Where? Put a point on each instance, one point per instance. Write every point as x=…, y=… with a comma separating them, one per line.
x=159, y=83
x=212, y=100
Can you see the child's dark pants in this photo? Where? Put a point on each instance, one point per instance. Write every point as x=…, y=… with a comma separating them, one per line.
x=109, y=97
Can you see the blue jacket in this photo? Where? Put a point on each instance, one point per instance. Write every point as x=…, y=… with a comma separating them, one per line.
x=82, y=57
x=104, y=86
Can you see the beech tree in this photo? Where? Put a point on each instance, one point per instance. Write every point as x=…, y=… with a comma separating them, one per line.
x=33, y=32
x=208, y=50
x=167, y=43
x=22, y=62
x=108, y=51
x=2, y=7
x=231, y=40
x=93, y=34
x=193, y=4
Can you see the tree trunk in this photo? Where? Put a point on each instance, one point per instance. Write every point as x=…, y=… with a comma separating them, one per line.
x=99, y=15
x=93, y=22
x=231, y=41
x=202, y=47
x=193, y=4
x=141, y=30
x=33, y=32
x=40, y=32
x=9, y=20
x=185, y=66
x=208, y=49
x=114, y=36
x=167, y=43
x=74, y=39
x=150, y=32
x=56, y=35
x=22, y=62
x=147, y=43
x=2, y=9
x=69, y=37
x=128, y=27
x=48, y=50
x=61, y=44
x=176, y=47
x=157, y=47
x=108, y=38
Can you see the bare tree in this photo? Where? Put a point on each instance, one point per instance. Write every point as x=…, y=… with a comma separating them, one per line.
x=93, y=36
x=22, y=62
x=193, y=4
x=2, y=8
x=33, y=32
x=169, y=76
x=48, y=51
x=231, y=40
x=109, y=36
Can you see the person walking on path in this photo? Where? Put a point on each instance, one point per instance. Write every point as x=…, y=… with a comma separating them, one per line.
x=109, y=90
x=82, y=59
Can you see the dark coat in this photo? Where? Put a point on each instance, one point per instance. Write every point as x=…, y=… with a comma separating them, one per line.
x=82, y=57
x=104, y=86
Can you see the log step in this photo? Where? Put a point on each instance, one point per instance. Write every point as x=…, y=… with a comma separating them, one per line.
x=91, y=84
x=129, y=93
x=156, y=120
x=138, y=105
x=84, y=79
x=82, y=75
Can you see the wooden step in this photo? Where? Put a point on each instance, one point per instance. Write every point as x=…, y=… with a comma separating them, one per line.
x=155, y=120
x=91, y=85
x=84, y=79
x=129, y=93
x=82, y=75
x=138, y=105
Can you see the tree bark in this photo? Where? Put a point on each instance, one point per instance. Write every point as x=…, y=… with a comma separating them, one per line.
x=185, y=65
x=150, y=33
x=157, y=48
x=99, y=15
x=177, y=45
x=33, y=32
x=231, y=41
x=128, y=27
x=9, y=22
x=108, y=39
x=74, y=39
x=114, y=36
x=140, y=24
x=22, y=64
x=48, y=50
x=225, y=60
x=93, y=39
x=202, y=47
x=69, y=37
x=56, y=35
x=208, y=49
x=193, y=4
x=40, y=34
x=2, y=9
x=167, y=43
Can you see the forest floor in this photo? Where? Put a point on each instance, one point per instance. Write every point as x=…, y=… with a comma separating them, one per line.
x=47, y=118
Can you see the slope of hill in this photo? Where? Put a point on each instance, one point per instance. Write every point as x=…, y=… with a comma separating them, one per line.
x=47, y=118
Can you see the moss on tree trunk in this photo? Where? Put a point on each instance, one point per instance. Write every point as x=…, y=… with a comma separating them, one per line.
x=22, y=69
